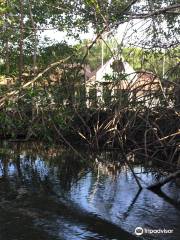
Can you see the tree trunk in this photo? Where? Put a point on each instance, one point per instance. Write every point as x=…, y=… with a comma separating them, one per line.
x=35, y=40
x=177, y=96
x=21, y=41
x=7, y=57
x=7, y=65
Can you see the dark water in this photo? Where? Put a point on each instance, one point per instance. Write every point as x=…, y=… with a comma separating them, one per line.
x=50, y=193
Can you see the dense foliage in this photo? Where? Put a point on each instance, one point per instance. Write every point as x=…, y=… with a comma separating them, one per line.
x=44, y=83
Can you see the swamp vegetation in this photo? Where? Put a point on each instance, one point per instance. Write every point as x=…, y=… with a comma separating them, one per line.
x=82, y=157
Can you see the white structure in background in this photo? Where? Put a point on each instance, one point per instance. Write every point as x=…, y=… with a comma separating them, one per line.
x=107, y=69
x=99, y=77
x=142, y=86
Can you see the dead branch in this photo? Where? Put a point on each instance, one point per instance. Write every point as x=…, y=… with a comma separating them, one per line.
x=158, y=12
x=157, y=186
x=14, y=93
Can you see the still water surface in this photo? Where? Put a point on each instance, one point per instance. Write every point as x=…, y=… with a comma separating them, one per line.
x=50, y=193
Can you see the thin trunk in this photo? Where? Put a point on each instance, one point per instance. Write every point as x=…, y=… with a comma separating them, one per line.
x=7, y=43
x=35, y=40
x=177, y=95
x=7, y=57
x=21, y=41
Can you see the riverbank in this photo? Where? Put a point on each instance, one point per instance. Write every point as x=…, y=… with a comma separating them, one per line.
x=153, y=134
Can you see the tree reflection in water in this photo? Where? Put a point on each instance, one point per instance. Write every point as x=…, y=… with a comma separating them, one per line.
x=56, y=192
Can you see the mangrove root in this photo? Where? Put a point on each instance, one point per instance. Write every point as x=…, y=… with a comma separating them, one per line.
x=157, y=186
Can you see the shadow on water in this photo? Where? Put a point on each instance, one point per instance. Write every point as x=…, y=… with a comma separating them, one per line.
x=49, y=193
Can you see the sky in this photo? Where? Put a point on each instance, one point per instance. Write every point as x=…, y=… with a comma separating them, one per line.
x=124, y=31
x=59, y=36
x=133, y=32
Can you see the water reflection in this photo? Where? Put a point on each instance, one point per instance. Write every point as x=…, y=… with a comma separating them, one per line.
x=52, y=194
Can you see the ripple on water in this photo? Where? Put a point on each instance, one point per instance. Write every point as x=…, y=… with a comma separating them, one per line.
x=104, y=190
